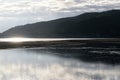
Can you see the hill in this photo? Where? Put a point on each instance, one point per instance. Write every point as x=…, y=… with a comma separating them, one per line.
x=95, y=24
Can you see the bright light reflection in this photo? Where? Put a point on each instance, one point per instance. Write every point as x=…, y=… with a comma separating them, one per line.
x=22, y=39
x=16, y=39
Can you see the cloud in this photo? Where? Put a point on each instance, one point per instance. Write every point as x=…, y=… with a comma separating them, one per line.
x=30, y=7
x=29, y=11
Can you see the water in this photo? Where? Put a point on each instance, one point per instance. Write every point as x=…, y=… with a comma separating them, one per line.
x=50, y=63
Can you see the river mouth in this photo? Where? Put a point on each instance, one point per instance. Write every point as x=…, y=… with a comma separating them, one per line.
x=55, y=63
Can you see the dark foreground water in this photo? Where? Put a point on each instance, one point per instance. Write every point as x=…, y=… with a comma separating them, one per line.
x=62, y=63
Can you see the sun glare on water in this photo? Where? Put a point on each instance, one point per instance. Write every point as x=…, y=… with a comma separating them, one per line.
x=16, y=39
x=22, y=39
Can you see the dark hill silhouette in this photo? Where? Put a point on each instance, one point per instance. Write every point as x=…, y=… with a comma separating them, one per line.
x=96, y=24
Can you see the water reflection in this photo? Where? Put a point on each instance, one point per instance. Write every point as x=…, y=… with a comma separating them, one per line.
x=41, y=64
x=109, y=55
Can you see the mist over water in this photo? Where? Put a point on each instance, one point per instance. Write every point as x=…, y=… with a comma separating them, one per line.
x=45, y=63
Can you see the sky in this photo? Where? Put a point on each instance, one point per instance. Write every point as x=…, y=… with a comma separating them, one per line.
x=20, y=12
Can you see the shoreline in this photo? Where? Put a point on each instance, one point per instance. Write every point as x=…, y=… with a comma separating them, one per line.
x=47, y=42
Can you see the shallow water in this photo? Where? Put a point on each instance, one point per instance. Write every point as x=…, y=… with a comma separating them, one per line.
x=46, y=64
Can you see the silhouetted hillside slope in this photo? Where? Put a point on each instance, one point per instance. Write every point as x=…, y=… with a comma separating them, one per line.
x=96, y=24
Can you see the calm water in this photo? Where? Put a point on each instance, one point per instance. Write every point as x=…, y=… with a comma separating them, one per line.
x=53, y=64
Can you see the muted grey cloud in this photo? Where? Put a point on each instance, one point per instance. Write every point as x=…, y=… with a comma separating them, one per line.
x=18, y=12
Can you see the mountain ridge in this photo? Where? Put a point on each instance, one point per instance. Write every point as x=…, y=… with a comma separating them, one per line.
x=91, y=24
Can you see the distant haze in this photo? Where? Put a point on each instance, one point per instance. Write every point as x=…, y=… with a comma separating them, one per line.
x=20, y=12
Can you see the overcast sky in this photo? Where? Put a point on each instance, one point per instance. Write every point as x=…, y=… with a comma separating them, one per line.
x=19, y=12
